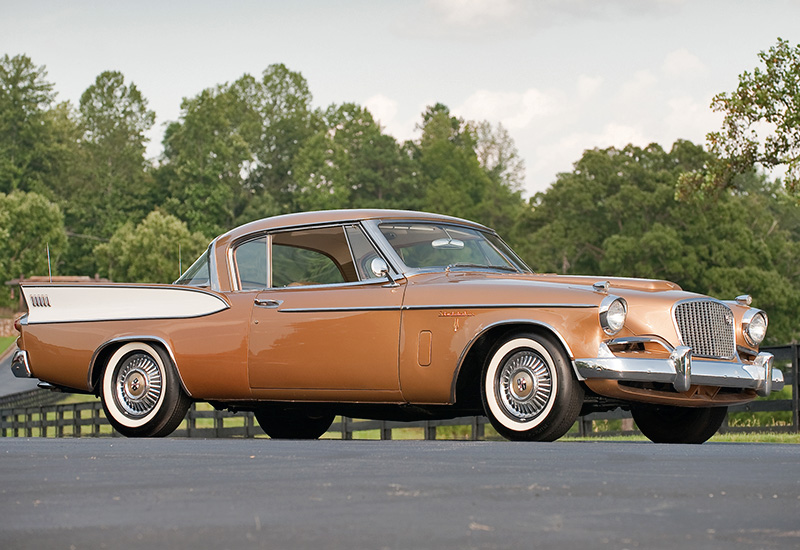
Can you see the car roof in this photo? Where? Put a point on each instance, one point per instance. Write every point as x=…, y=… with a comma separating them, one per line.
x=338, y=216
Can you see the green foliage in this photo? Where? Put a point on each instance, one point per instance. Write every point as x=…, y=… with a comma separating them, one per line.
x=29, y=224
x=228, y=159
x=351, y=163
x=149, y=252
x=256, y=147
x=616, y=214
x=35, y=136
x=762, y=118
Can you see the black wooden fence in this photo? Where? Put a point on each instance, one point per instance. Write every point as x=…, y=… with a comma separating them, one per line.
x=23, y=415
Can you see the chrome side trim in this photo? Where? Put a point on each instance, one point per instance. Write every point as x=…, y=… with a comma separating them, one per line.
x=20, y=365
x=500, y=306
x=338, y=309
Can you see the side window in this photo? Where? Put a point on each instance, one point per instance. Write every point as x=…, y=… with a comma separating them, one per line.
x=363, y=252
x=311, y=257
x=251, y=263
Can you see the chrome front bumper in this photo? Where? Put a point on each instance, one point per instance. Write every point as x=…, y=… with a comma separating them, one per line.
x=681, y=369
x=20, y=365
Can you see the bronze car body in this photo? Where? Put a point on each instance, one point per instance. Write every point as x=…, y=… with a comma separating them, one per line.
x=394, y=314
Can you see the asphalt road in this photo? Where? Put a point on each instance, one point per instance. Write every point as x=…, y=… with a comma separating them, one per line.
x=179, y=493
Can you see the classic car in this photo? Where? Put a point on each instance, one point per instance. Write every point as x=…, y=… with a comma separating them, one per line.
x=394, y=315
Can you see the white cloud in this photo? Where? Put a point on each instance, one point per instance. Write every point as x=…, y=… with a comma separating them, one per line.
x=640, y=86
x=475, y=13
x=689, y=118
x=588, y=86
x=383, y=108
x=512, y=109
x=682, y=64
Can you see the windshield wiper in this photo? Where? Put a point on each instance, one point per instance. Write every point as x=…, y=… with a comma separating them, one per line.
x=481, y=266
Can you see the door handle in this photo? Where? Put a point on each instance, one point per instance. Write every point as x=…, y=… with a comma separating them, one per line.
x=267, y=303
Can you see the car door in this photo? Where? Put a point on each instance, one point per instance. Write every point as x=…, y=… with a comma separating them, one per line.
x=324, y=323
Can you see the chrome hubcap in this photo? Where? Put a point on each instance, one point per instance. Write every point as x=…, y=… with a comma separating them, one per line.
x=138, y=385
x=525, y=385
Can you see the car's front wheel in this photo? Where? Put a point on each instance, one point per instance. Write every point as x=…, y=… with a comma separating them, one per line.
x=293, y=423
x=529, y=390
x=141, y=393
x=663, y=424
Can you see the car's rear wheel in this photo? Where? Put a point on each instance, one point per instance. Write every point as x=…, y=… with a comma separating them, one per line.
x=293, y=423
x=529, y=390
x=141, y=393
x=662, y=424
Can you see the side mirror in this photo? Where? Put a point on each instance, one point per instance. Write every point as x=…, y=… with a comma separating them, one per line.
x=379, y=267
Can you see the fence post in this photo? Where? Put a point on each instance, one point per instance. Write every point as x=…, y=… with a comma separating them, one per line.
x=795, y=387
x=386, y=433
x=430, y=430
x=346, y=432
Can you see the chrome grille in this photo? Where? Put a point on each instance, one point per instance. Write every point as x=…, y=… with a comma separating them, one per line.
x=706, y=326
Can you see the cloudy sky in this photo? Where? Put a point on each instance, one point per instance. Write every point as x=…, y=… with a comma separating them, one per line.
x=561, y=75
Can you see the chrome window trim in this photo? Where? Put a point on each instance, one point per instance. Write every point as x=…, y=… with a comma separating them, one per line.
x=374, y=227
x=213, y=274
x=269, y=234
x=368, y=282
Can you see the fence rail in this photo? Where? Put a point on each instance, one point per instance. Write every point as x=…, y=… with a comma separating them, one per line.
x=19, y=418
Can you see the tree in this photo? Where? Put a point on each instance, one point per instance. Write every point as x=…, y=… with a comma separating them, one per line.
x=209, y=154
x=229, y=158
x=283, y=100
x=616, y=214
x=761, y=125
x=114, y=118
x=37, y=140
x=30, y=225
x=353, y=164
x=150, y=252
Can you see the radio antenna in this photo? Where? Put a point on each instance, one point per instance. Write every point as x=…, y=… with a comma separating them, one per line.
x=180, y=261
x=49, y=268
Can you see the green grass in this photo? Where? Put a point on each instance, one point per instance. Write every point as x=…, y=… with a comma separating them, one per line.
x=463, y=432
x=6, y=342
x=738, y=437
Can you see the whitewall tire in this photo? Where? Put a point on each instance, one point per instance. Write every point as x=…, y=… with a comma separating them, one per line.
x=529, y=390
x=141, y=393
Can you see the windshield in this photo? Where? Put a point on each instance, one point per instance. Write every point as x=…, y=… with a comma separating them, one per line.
x=441, y=246
x=198, y=274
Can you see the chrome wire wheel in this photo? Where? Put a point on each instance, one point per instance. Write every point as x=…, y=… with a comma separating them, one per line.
x=528, y=388
x=139, y=384
x=524, y=385
x=139, y=390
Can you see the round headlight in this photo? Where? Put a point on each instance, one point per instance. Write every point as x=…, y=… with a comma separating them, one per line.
x=613, y=311
x=754, y=326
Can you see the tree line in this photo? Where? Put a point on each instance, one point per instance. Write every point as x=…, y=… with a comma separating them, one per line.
x=76, y=180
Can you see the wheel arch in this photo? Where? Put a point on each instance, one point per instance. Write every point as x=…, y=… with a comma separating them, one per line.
x=477, y=351
x=104, y=352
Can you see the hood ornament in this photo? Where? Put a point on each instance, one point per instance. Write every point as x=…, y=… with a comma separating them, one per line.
x=601, y=286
